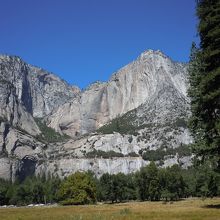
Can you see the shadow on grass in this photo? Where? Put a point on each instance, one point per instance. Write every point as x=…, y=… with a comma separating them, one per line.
x=217, y=206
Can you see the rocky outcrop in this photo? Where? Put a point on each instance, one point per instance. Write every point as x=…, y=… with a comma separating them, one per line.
x=17, y=148
x=28, y=91
x=64, y=167
x=48, y=91
x=15, y=98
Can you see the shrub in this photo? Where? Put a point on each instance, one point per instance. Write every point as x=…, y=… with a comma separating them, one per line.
x=159, y=154
x=79, y=188
x=133, y=154
x=180, y=122
x=130, y=139
x=104, y=154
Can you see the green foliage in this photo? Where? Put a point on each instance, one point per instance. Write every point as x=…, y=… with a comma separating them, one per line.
x=117, y=187
x=180, y=122
x=164, y=183
x=104, y=154
x=3, y=191
x=150, y=183
x=123, y=125
x=202, y=181
x=184, y=150
x=159, y=154
x=52, y=185
x=204, y=78
x=79, y=188
x=154, y=155
x=132, y=154
x=49, y=134
x=172, y=184
x=31, y=190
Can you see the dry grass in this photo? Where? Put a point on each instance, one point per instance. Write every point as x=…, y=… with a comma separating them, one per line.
x=190, y=209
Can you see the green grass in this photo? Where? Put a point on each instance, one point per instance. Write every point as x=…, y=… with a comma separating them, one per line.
x=190, y=209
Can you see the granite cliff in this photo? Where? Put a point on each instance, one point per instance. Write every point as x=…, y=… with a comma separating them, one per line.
x=137, y=83
x=47, y=125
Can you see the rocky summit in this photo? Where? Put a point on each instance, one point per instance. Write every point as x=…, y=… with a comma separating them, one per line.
x=49, y=126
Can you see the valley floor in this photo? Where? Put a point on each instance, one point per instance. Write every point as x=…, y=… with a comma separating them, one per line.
x=189, y=209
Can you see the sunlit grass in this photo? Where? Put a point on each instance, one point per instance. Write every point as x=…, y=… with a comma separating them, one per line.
x=190, y=209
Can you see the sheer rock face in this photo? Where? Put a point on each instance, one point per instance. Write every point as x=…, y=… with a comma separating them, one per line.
x=64, y=167
x=48, y=91
x=137, y=83
x=150, y=90
x=15, y=95
x=25, y=92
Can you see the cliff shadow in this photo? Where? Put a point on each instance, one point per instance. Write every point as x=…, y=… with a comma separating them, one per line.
x=27, y=168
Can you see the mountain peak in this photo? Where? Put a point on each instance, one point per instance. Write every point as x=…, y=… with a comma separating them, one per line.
x=150, y=53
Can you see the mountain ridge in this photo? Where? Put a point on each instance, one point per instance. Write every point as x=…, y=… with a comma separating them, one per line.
x=38, y=108
x=129, y=81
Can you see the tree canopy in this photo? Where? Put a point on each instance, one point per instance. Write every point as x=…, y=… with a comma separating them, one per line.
x=78, y=188
x=204, y=78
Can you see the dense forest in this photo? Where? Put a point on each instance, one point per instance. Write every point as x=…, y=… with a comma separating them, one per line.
x=150, y=183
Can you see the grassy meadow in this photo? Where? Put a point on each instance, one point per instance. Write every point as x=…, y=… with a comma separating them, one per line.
x=190, y=209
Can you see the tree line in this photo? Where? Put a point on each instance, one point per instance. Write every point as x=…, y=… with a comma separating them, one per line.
x=149, y=183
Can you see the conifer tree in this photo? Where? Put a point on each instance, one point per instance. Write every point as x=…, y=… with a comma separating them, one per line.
x=205, y=82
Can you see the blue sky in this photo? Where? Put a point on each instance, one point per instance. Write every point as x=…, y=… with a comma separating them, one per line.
x=87, y=40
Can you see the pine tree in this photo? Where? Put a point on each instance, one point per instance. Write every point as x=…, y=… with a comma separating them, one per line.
x=205, y=82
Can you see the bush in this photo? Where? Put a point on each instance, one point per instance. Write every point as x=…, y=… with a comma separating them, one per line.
x=159, y=154
x=133, y=154
x=180, y=122
x=78, y=189
x=104, y=154
x=154, y=155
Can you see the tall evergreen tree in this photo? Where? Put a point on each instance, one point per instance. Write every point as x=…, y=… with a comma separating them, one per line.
x=205, y=82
